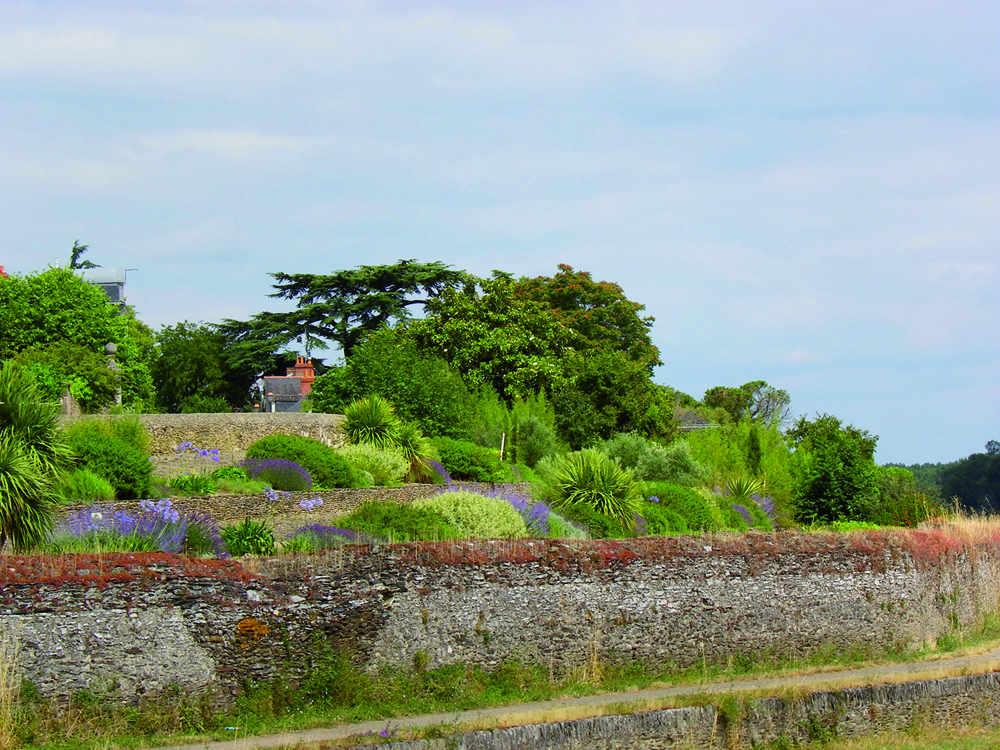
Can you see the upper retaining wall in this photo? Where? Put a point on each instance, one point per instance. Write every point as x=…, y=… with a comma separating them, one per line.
x=231, y=432
x=156, y=620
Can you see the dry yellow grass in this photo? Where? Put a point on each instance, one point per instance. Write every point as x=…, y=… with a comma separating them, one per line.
x=8, y=691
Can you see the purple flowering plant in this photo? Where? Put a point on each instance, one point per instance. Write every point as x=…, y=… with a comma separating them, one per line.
x=535, y=513
x=279, y=473
x=311, y=504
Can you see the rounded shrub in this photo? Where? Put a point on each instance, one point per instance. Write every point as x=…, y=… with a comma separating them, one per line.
x=387, y=467
x=279, y=473
x=661, y=519
x=685, y=501
x=398, y=522
x=326, y=467
x=467, y=461
x=477, y=516
x=123, y=465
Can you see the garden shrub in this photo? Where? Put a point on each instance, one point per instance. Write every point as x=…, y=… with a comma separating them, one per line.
x=418, y=451
x=248, y=537
x=122, y=464
x=561, y=528
x=316, y=537
x=398, y=522
x=83, y=486
x=535, y=441
x=126, y=428
x=387, y=467
x=598, y=525
x=476, y=516
x=651, y=462
x=326, y=467
x=468, y=461
x=661, y=519
x=692, y=507
x=279, y=473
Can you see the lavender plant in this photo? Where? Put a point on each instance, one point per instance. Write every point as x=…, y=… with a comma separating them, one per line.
x=279, y=473
x=157, y=527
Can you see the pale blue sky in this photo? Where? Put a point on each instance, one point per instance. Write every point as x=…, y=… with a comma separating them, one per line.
x=802, y=192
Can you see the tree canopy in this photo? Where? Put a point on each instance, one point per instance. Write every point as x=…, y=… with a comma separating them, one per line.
x=345, y=305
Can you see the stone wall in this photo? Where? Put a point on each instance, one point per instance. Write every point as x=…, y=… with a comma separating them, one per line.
x=853, y=712
x=157, y=620
x=230, y=432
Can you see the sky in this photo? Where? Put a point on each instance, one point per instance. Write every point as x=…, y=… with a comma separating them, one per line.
x=801, y=192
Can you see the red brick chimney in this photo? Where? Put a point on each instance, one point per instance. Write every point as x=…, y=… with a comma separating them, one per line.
x=303, y=369
x=2, y=274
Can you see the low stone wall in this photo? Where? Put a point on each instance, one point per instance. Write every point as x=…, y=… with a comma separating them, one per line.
x=232, y=431
x=89, y=620
x=854, y=712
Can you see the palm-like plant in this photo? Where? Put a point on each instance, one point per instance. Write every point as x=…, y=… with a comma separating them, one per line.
x=590, y=478
x=372, y=420
x=33, y=459
x=743, y=487
x=418, y=451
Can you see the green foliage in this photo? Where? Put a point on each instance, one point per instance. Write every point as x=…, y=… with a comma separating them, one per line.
x=661, y=520
x=424, y=388
x=534, y=441
x=371, y=420
x=387, y=467
x=756, y=401
x=34, y=457
x=123, y=465
x=418, y=451
x=204, y=404
x=614, y=394
x=231, y=473
x=651, y=462
x=467, y=461
x=135, y=341
x=691, y=506
x=590, y=479
x=603, y=319
x=90, y=381
x=476, y=516
x=398, y=522
x=723, y=451
x=498, y=338
x=326, y=467
x=83, y=486
x=974, y=480
x=194, y=484
x=833, y=470
x=55, y=305
x=345, y=305
x=249, y=537
x=561, y=528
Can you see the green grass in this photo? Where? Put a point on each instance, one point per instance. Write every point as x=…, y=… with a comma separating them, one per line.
x=336, y=692
x=923, y=739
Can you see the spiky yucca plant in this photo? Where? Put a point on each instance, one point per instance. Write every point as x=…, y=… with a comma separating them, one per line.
x=743, y=487
x=34, y=459
x=590, y=478
x=372, y=420
x=418, y=450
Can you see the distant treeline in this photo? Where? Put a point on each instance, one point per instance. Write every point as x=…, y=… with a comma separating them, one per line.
x=975, y=480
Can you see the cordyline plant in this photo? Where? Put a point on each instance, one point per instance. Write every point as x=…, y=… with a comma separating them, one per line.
x=33, y=459
x=590, y=478
x=372, y=420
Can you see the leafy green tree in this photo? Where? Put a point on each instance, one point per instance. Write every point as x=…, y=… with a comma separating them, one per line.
x=833, y=470
x=62, y=363
x=136, y=349
x=496, y=338
x=975, y=480
x=597, y=311
x=55, y=305
x=34, y=459
x=755, y=400
x=346, y=305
